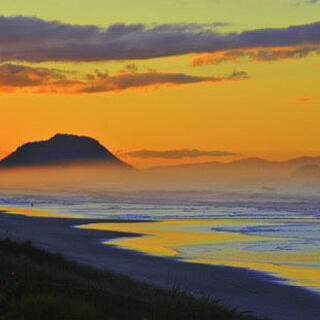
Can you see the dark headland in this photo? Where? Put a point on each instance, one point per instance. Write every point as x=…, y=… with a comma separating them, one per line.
x=62, y=149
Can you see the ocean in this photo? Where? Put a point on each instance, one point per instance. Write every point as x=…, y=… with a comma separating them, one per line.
x=275, y=234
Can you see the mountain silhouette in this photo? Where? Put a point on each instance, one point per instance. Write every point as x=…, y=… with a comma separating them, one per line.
x=61, y=149
x=247, y=168
x=247, y=163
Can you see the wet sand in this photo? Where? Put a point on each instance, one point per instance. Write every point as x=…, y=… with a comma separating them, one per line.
x=170, y=238
x=235, y=287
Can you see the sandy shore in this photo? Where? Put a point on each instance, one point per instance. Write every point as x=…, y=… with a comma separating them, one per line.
x=235, y=287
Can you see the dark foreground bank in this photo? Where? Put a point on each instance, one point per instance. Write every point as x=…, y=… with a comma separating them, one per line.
x=264, y=295
x=36, y=284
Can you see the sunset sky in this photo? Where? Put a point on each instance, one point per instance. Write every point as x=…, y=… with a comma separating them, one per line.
x=163, y=82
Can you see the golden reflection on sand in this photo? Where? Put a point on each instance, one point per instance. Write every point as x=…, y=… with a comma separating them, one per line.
x=167, y=238
x=32, y=212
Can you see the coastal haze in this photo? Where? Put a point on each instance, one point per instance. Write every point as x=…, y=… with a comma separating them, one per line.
x=76, y=163
x=270, y=206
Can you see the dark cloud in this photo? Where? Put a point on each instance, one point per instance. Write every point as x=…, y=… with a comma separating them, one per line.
x=45, y=80
x=177, y=154
x=266, y=54
x=36, y=40
x=293, y=53
x=17, y=76
x=101, y=82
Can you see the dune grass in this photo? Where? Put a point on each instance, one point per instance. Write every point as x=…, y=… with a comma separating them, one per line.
x=36, y=284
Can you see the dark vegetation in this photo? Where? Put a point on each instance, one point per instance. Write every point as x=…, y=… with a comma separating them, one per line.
x=36, y=284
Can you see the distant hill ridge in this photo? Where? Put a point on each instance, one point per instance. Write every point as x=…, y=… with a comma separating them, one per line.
x=246, y=162
x=61, y=149
x=253, y=168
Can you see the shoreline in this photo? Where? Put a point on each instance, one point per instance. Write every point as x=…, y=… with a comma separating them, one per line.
x=170, y=238
x=234, y=287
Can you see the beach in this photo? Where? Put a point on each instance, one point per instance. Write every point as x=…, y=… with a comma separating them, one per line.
x=234, y=287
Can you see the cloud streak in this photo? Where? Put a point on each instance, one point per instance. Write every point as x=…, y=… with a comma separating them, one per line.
x=307, y=100
x=14, y=77
x=35, y=40
x=257, y=54
x=177, y=154
x=102, y=82
x=44, y=80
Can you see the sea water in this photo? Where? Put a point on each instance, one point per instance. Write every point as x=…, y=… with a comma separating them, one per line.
x=274, y=234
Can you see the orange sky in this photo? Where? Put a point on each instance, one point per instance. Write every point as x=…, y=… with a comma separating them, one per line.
x=247, y=105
